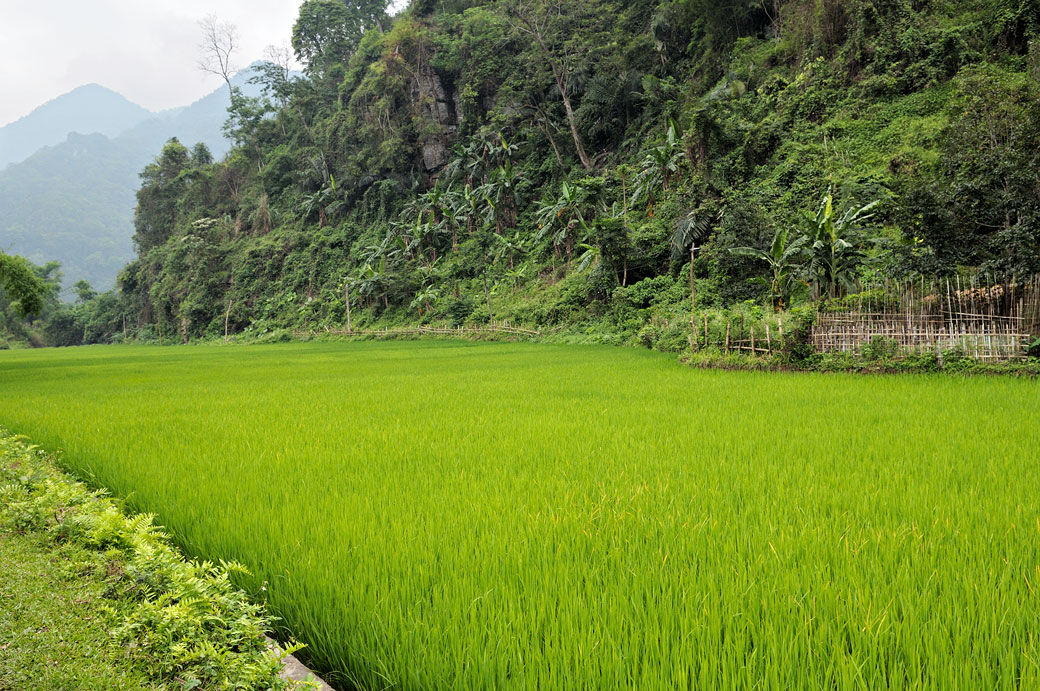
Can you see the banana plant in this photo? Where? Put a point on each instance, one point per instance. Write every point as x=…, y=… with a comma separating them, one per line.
x=691, y=230
x=517, y=275
x=561, y=219
x=835, y=255
x=425, y=299
x=783, y=259
x=590, y=257
x=509, y=246
x=659, y=166
x=373, y=282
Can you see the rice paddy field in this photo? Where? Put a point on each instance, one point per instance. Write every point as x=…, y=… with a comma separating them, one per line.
x=445, y=515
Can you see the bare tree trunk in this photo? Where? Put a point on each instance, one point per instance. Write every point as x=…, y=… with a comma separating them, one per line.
x=624, y=223
x=487, y=294
x=562, y=82
x=346, y=296
x=544, y=126
x=693, y=284
x=552, y=143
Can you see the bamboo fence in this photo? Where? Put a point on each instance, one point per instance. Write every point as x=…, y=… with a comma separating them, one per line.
x=460, y=331
x=990, y=320
x=740, y=335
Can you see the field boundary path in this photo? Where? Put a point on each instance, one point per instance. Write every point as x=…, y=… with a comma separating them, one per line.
x=415, y=331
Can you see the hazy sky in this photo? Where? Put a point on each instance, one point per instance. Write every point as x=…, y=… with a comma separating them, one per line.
x=146, y=50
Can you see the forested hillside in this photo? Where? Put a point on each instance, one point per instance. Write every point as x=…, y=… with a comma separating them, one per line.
x=561, y=162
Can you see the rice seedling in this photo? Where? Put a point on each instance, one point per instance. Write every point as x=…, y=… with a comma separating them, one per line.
x=451, y=515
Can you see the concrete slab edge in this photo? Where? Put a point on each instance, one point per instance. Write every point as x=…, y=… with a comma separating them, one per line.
x=294, y=670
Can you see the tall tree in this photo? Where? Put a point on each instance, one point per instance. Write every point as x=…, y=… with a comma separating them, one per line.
x=21, y=283
x=327, y=32
x=558, y=31
x=986, y=195
x=162, y=184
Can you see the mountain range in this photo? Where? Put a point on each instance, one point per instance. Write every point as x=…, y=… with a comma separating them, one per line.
x=86, y=109
x=69, y=174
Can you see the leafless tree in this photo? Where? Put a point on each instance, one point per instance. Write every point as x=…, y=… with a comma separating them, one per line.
x=219, y=40
x=282, y=56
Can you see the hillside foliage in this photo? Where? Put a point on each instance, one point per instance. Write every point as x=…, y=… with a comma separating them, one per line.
x=552, y=162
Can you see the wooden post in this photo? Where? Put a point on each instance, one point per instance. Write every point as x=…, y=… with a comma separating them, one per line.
x=346, y=297
x=752, y=338
x=727, y=334
x=693, y=283
x=780, y=326
x=769, y=341
x=227, y=320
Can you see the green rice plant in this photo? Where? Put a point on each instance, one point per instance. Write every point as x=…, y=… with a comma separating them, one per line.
x=517, y=516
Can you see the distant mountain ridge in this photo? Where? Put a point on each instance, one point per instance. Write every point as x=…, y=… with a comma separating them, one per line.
x=72, y=199
x=87, y=109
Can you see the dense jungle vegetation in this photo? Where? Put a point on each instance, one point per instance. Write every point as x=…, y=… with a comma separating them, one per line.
x=601, y=163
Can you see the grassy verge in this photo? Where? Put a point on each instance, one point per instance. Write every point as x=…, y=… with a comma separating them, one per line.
x=93, y=599
x=927, y=363
x=54, y=623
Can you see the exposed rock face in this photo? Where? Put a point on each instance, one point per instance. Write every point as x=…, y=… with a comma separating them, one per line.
x=440, y=107
x=434, y=154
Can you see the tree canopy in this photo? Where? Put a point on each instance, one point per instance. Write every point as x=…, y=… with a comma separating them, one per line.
x=327, y=32
x=21, y=284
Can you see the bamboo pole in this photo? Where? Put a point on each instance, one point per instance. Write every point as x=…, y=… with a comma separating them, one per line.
x=227, y=320
x=346, y=297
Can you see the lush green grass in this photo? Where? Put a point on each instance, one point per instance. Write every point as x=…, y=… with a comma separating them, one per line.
x=54, y=628
x=440, y=515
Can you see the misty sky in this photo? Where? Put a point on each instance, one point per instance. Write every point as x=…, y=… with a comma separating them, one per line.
x=146, y=50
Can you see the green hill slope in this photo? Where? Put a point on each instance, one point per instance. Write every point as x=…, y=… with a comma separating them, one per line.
x=73, y=202
x=553, y=162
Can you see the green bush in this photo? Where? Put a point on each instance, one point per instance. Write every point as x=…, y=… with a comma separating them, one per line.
x=880, y=349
